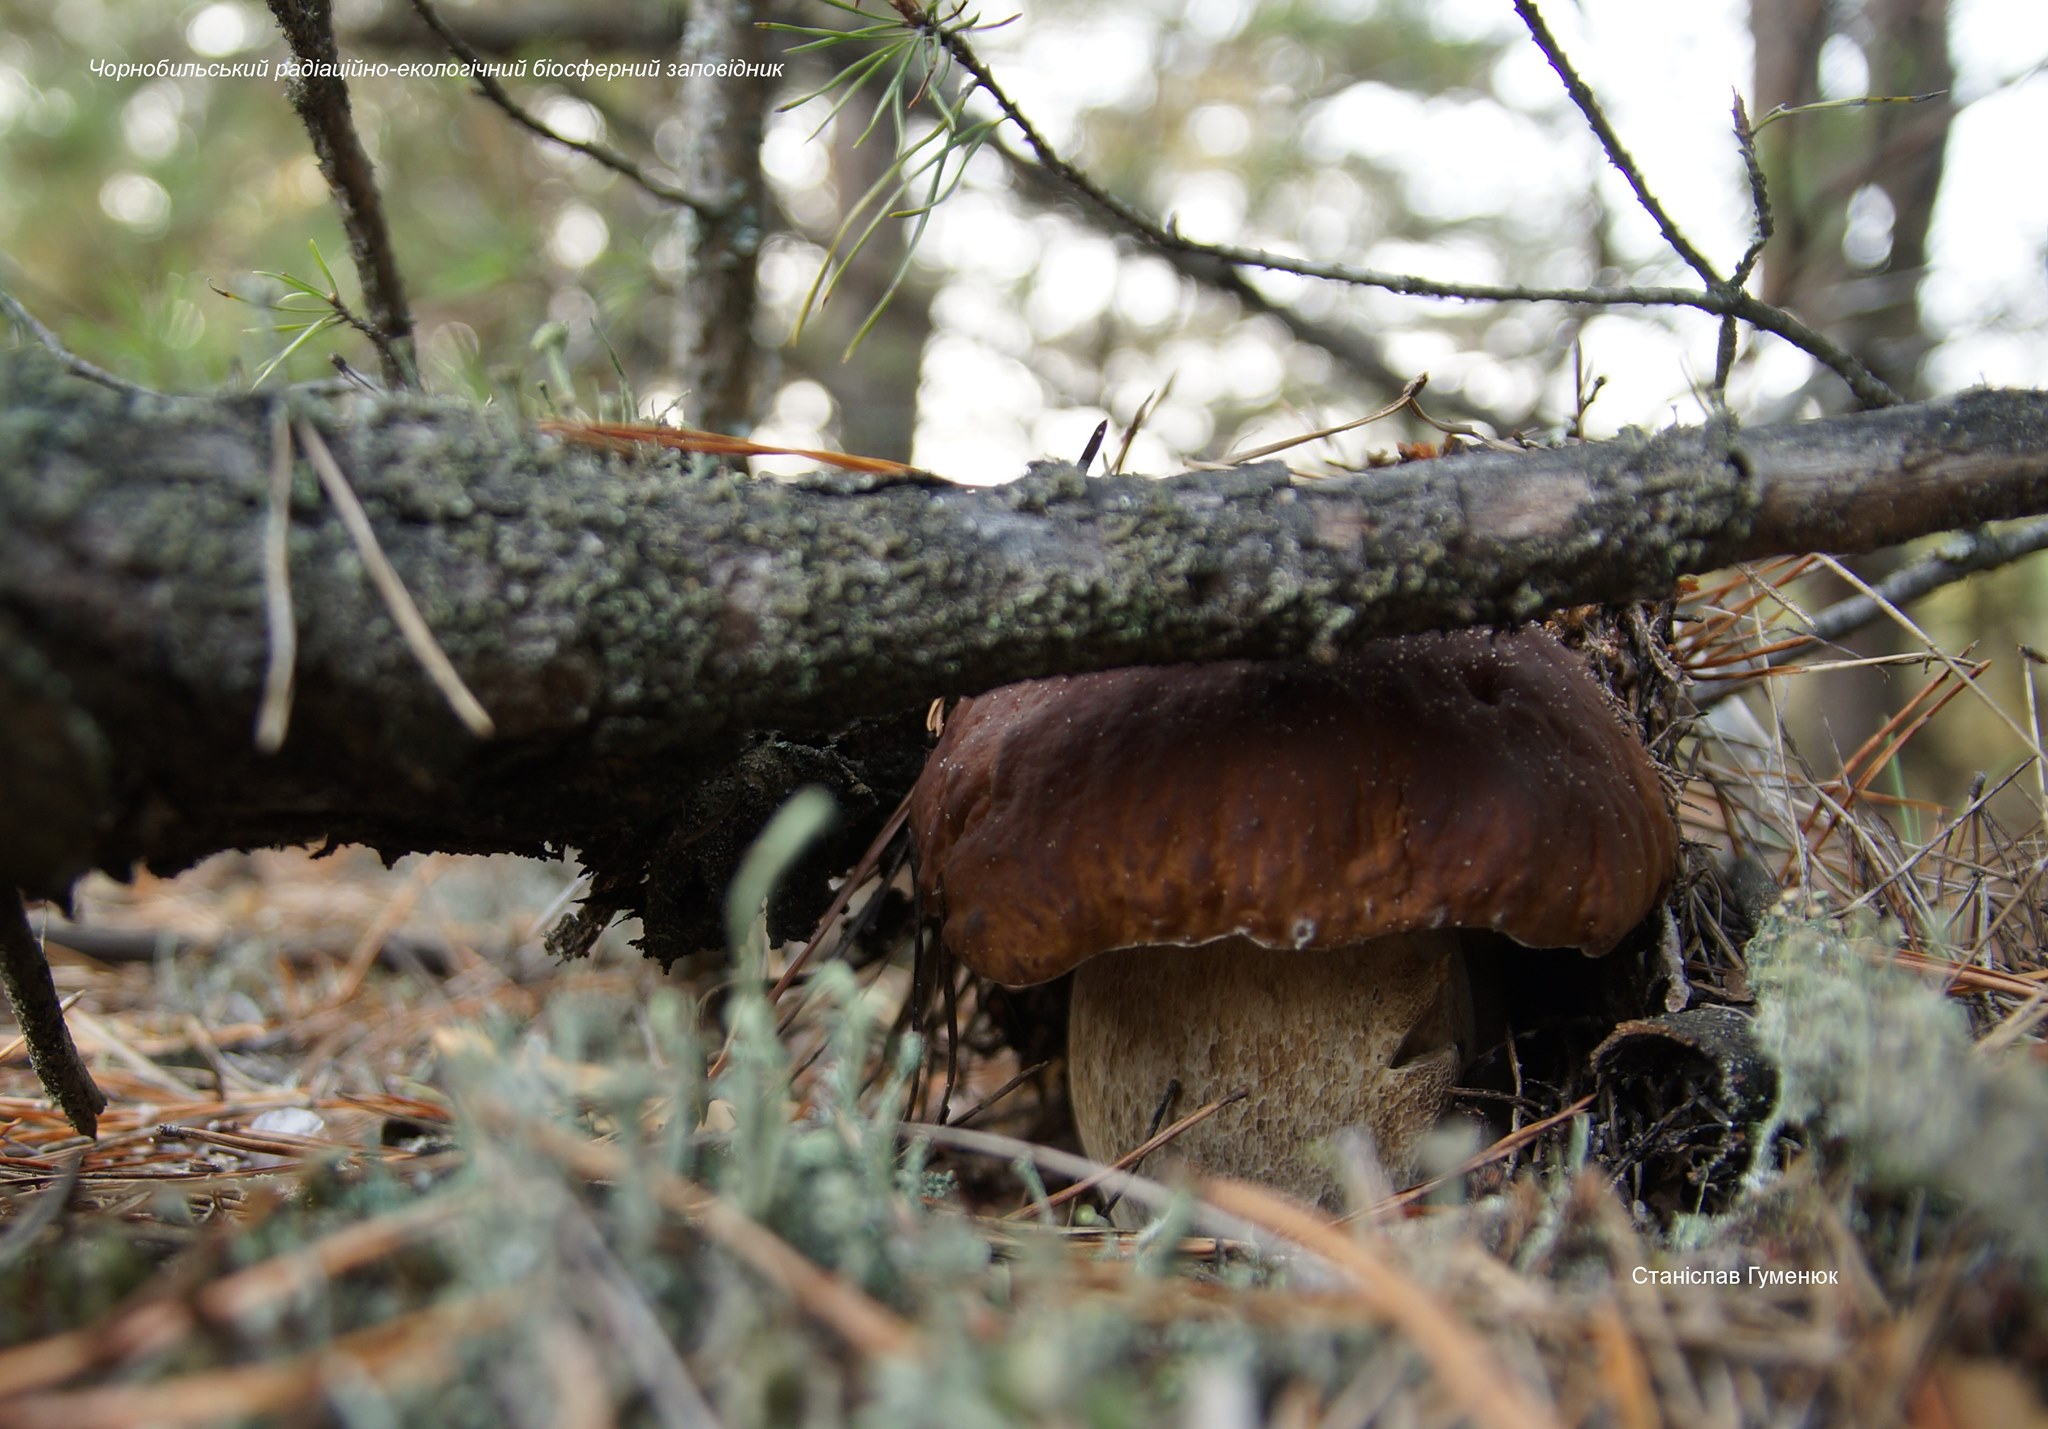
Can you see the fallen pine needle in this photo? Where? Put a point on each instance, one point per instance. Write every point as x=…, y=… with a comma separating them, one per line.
x=1468, y=1373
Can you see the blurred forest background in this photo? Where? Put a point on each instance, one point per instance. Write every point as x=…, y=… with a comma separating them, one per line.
x=1423, y=136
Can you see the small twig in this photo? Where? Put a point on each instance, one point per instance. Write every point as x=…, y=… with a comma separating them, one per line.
x=1859, y=101
x=1507, y=1146
x=1870, y=389
x=1167, y=1099
x=1759, y=193
x=32, y=996
x=1760, y=206
x=1132, y=1157
x=397, y=600
x=274, y=712
x=974, y=1112
x=487, y=85
x=1138, y=419
x=1617, y=155
x=1583, y=396
x=1154, y=1195
x=27, y=322
x=1350, y=346
x=322, y=103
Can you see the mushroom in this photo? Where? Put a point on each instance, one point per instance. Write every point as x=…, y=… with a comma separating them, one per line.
x=1261, y=872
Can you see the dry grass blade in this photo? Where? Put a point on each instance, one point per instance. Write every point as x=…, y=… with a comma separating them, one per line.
x=1130, y=1158
x=1905, y=622
x=153, y=1325
x=406, y=1348
x=274, y=713
x=1500, y=1150
x=419, y=638
x=864, y=1322
x=1622, y=1370
x=1400, y=403
x=1468, y=1372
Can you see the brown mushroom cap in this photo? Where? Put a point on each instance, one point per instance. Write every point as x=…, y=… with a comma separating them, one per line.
x=1472, y=779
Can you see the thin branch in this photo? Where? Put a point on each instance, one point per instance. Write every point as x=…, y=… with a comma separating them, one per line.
x=1961, y=556
x=1617, y=155
x=322, y=102
x=1718, y=299
x=1349, y=346
x=487, y=85
x=1760, y=206
x=26, y=321
x=32, y=995
x=1860, y=101
x=1759, y=193
x=1869, y=389
x=636, y=627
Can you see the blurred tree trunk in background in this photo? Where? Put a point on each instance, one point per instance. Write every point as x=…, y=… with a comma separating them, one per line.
x=1834, y=174
x=714, y=352
x=1834, y=177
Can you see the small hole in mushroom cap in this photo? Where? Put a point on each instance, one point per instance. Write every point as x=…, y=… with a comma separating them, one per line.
x=1304, y=932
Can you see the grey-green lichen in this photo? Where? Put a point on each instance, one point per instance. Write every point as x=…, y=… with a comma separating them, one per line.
x=1880, y=1061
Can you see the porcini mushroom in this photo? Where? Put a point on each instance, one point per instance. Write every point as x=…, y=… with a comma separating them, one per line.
x=1260, y=870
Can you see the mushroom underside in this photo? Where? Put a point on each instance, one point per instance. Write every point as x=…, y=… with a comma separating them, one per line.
x=1368, y=1037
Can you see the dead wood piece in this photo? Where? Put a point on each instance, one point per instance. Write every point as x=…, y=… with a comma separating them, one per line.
x=668, y=650
x=25, y=975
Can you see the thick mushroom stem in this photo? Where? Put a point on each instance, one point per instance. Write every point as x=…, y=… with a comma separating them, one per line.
x=1368, y=1037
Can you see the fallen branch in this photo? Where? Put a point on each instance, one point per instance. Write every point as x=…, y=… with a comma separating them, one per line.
x=640, y=627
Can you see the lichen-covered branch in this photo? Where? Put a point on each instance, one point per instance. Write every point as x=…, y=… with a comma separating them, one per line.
x=637, y=629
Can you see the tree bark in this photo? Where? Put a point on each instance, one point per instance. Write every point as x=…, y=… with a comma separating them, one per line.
x=722, y=118
x=640, y=628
